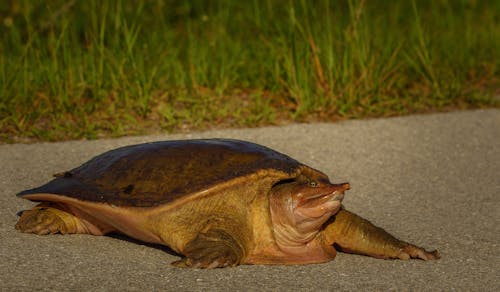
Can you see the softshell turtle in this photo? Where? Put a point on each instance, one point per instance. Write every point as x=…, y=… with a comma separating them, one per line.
x=217, y=202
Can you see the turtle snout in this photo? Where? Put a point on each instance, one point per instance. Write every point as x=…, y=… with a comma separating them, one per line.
x=342, y=187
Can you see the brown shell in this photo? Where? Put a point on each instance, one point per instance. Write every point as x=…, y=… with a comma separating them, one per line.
x=152, y=174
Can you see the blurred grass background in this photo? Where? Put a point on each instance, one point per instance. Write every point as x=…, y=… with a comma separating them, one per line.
x=90, y=69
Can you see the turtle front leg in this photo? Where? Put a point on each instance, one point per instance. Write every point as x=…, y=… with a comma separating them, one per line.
x=214, y=248
x=353, y=234
x=49, y=218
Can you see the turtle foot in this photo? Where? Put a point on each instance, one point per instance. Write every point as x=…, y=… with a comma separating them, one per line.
x=214, y=249
x=415, y=252
x=44, y=219
x=40, y=221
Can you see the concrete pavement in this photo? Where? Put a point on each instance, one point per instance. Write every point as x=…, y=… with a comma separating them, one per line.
x=433, y=180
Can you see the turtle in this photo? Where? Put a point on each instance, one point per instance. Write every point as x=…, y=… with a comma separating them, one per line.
x=214, y=202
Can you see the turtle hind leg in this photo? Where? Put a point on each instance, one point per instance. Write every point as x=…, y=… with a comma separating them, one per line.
x=214, y=248
x=50, y=218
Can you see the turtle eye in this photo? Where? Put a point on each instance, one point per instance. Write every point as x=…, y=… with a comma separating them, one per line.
x=313, y=184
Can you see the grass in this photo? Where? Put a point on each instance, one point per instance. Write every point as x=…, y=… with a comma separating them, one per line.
x=90, y=69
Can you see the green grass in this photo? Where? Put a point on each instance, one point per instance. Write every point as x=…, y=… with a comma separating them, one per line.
x=88, y=69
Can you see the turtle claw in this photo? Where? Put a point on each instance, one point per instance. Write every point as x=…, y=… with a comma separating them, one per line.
x=209, y=258
x=181, y=263
x=196, y=264
x=415, y=252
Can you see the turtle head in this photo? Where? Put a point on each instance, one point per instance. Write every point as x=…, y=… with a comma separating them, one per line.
x=299, y=209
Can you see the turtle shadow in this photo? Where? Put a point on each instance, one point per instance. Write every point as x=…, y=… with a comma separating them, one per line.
x=163, y=248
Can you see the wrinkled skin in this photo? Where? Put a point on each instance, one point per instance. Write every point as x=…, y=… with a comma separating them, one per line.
x=299, y=210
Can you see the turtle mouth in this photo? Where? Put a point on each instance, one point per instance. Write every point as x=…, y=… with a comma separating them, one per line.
x=323, y=195
x=319, y=205
x=320, y=200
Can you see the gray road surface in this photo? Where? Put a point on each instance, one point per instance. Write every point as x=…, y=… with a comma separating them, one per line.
x=430, y=179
